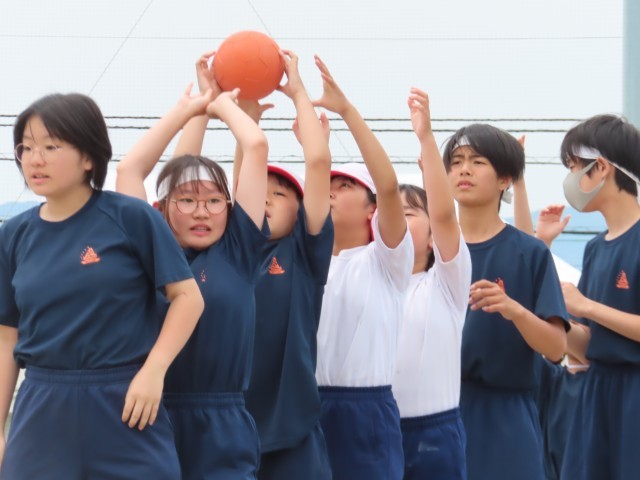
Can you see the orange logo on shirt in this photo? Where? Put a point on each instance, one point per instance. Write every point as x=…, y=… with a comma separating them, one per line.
x=500, y=283
x=203, y=276
x=275, y=268
x=89, y=256
x=621, y=281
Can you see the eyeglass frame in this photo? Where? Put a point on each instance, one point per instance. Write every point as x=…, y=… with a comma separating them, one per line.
x=225, y=204
x=43, y=153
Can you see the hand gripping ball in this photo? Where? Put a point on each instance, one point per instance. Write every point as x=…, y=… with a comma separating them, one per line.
x=249, y=61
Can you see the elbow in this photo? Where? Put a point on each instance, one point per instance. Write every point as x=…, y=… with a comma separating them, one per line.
x=258, y=148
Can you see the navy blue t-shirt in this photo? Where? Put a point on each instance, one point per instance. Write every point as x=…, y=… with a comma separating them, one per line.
x=82, y=291
x=218, y=356
x=493, y=350
x=283, y=394
x=611, y=276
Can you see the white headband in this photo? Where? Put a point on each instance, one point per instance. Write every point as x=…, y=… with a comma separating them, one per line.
x=189, y=174
x=590, y=153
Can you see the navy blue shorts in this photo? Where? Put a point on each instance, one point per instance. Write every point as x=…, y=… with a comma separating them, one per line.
x=308, y=460
x=67, y=425
x=557, y=397
x=215, y=436
x=434, y=446
x=362, y=430
x=605, y=431
x=504, y=439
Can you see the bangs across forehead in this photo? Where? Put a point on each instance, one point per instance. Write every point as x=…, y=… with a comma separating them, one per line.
x=415, y=197
x=185, y=175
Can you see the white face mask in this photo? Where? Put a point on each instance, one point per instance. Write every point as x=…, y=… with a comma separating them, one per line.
x=576, y=197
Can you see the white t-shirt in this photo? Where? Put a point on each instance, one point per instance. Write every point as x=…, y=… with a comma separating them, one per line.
x=361, y=313
x=427, y=373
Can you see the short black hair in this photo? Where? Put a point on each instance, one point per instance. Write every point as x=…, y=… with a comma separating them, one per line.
x=76, y=119
x=615, y=138
x=502, y=150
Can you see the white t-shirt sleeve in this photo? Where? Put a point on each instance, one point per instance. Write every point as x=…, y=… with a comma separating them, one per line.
x=396, y=262
x=454, y=276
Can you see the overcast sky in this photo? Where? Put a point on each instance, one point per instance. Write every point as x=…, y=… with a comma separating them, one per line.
x=495, y=59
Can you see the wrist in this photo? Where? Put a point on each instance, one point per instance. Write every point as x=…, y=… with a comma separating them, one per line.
x=347, y=110
x=515, y=313
x=157, y=363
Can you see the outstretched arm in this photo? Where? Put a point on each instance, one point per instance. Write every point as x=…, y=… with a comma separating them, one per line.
x=251, y=188
x=315, y=147
x=192, y=138
x=391, y=221
x=521, y=209
x=442, y=211
x=139, y=162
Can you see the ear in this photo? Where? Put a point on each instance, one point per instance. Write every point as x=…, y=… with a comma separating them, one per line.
x=87, y=163
x=157, y=205
x=372, y=209
x=504, y=183
x=603, y=167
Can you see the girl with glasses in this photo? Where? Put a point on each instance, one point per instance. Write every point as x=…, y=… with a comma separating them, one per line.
x=215, y=436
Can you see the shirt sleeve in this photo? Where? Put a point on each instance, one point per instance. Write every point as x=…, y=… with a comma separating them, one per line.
x=317, y=248
x=454, y=276
x=244, y=241
x=154, y=243
x=548, y=301
x=9, y=314
x=396, y=262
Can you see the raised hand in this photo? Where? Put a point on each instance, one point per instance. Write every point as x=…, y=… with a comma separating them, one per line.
x=254, y=109
x=222, y=101
x=195, y=104
x=324, y=123
x=205, y=76
x=418, y=102
x=550, y=223
x=332, y=97
x=294, y=85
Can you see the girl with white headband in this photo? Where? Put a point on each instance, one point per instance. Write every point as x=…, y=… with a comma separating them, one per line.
x=603, y=156
x=215, y=436
x=516, y=310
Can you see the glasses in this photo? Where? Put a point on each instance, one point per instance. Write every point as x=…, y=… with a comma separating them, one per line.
x=25, y=153
x=213, y=205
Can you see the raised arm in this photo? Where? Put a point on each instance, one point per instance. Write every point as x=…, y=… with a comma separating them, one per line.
x=255, y=111
x=251, y=188
x=192, y=137
x=442, y=211
x=521, y=209
x=140, y=160
x=315, y=147
x=391, y=221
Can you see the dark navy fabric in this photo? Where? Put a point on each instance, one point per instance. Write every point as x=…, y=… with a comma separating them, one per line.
x=493, y=350
x=605, y=430
x=283, y=394
x=557, y=397
x=308, y=460
x=67, y=425
x=611, y=276
x=218, y=356
x=504, y=439
x=82, y=291
x=362, y=428
x=434, y=446
x=215, y=436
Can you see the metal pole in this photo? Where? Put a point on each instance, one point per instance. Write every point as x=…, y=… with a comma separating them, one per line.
x=631, y=71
